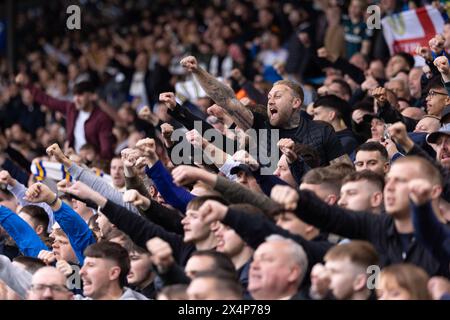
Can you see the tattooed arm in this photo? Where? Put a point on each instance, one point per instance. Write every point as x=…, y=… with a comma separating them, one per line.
x=220, y=93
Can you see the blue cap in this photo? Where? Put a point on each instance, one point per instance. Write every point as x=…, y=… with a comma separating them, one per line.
x=433, y=137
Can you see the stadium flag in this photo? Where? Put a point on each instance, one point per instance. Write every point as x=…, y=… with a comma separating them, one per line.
x=407, y=30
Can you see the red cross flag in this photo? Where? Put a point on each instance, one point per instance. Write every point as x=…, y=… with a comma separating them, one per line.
x=407, y=30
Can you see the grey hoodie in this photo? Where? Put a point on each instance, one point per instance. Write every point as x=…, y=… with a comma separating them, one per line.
x=99, y=185
x=16, y=278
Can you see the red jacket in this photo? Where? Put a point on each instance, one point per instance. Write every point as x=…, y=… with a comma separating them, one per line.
x=97, y=128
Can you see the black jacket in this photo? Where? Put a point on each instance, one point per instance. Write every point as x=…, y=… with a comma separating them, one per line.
x=185, y=116
x=254, y=229
x=165, y=217
x=445, y=173
x=140, y=230
x=377, y=229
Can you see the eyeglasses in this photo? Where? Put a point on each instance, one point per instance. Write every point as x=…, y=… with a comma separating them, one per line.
x=54, y=288
x=432, y=93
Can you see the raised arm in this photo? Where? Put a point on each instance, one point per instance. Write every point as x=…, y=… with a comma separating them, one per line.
x=139, y=229
x=254, y=229
x=25, y=237
x=88, y=177
x=309, y=208
x=220, y=93
x=167, y=218
x=19, y=190
x=42, y=98
x=384, y=100
x=428, y=229
x=190, y=121
x=231, y=191
x=215, y=154
x=77, y=230
x=176, y=196
x=443, y=67
x=164, y=264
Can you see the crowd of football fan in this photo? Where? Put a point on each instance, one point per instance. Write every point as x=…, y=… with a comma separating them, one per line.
x=95, y=202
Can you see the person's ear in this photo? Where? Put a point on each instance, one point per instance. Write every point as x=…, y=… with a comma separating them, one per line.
x=331, y=115
x=360, y=282
x=376, y=200
x=447, y=100
x=152, y=191
x=309, y=228
x=386, y=166
x=436, y=191
x=331, y=199
x=294, y=274
x=39, y=229
x=114, y=273
x=296, y=103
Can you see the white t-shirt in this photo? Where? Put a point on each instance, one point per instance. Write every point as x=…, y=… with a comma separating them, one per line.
x=80, y=137
x=137, y=88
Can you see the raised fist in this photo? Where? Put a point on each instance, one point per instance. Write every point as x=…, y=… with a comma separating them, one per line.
x=141, y=163
x=183, y=175
x=420, y=191
x=130, y=156
x=369, y=84
x=146, y=114
x=286, y=146
x=77, y=189
x=39, y=192
x=147, y=146
x=194, y=138
x=437, y=43
x=398, y=133
x=189, y=63
x=424, y=52
x=135, y=198
x=322, y=91
x=442, y=65
x=212, y=211
x=55, y=151
x=168, y=98
x=325, y=54
x=162, y=256
x=167, y=130
x=6, y=179
x=286, y=196
x=22, y=79
x=380, y=95
x=358, y=115
x=244, y=157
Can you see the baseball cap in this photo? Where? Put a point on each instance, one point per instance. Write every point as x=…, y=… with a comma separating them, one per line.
x=433, y=137
x=241, y=167
x=368, y=117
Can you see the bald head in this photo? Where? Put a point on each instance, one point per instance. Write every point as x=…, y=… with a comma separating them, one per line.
x=49, y=284
x=413, y=113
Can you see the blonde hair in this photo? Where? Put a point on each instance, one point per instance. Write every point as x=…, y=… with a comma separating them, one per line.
x=297, y=90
